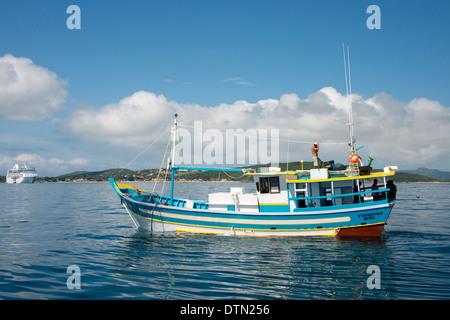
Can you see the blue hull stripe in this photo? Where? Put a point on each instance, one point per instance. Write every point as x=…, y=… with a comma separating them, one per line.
x=165, y=214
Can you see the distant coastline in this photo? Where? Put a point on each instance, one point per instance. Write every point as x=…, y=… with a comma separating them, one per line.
x=421, y=175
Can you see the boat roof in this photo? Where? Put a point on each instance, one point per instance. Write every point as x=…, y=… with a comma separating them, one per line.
x=274, y=171
x=340, y=178
x=338, y=175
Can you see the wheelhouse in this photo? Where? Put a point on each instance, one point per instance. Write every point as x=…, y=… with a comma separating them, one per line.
x=305, y=190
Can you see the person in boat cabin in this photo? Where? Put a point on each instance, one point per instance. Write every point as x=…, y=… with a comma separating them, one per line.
x=392, y=193
x=315, y=155
x=376, y=195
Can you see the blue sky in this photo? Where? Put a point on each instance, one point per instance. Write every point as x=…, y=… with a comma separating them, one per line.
x=210, y=53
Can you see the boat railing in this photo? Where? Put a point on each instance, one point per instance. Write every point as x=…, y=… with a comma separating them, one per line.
x=377, y=195
x=144, y=196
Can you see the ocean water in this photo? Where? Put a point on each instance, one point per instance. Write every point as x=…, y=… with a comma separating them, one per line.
x=46, y=230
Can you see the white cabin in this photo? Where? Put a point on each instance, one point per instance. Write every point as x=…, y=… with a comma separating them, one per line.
x=299, y=191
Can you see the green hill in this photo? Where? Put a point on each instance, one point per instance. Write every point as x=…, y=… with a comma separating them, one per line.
x=434, y=173
x=121, y=174
x=411, y=177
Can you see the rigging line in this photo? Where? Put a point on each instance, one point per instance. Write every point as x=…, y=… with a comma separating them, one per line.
x=151, y=226
x=216, y=184
x=164, y=182
x=142, y=152
x=160, y=168
x=231, y=177
x=267, y=138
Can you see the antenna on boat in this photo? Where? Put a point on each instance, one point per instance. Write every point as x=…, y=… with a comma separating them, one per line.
x=353, y=159
x=348, y=86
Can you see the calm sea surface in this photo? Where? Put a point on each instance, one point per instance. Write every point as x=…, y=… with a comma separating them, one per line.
x=45, y=228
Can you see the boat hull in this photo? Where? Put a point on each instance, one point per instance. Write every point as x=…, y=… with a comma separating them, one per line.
x=362, y=231
x=158, y=226
x=349, y=222
x=20, y=179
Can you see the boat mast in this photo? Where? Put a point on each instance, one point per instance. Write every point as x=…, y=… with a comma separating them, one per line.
x=348, y=86
x=353, y=166
x=171, y=161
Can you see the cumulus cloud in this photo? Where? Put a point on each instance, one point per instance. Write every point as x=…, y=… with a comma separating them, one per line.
x=28, y=92
x=414, y=132
x=134, y=121
x=78, y=161
x=390, y=130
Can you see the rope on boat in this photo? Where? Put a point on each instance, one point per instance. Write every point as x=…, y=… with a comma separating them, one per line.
x=129, y=163
x=160, y=169
x=231, y=177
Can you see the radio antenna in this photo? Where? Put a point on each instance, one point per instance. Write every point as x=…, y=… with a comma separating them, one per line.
x=348, y=86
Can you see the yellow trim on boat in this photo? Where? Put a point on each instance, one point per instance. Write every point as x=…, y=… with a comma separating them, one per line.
x=122, y=185
x=247, y=233
x=197, y=231
x=271, y=173
x=239, y=230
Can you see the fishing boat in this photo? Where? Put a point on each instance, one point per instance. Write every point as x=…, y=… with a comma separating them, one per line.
x=316, y=202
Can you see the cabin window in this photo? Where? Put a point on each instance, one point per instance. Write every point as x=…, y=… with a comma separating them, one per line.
x=274, y=185
x=264, y=185
x=269, y=185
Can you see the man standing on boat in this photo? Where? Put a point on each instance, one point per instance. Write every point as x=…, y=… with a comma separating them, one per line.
x=315, y=154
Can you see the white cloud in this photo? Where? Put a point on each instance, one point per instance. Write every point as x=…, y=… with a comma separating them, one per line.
x=134, y=121
x=28, y=92
x=30, y=159
x=394, y=132
x=78, y=161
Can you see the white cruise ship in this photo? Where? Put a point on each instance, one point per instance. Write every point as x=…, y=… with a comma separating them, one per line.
x=22, y=174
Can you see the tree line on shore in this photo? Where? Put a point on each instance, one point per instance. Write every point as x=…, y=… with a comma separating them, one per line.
x=121, y=174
